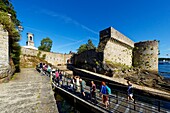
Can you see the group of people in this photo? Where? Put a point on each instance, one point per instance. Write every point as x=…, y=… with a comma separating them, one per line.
x=77, y=84
x=105, y=91
x=44, y=68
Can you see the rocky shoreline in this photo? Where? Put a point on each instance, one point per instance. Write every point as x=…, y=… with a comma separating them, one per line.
x=137, y=76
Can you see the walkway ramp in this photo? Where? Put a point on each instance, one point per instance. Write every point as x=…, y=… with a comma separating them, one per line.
x=27, y=92
x=117, y=103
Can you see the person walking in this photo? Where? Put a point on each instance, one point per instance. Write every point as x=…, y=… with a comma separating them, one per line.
x=82, y=86
x=129, y=91
x=57, y=78
x=103, y=92
x=61, y=78
x=77, y=84
x=93, y=89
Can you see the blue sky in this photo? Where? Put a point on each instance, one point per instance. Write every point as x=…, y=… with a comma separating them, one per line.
x=70, y=23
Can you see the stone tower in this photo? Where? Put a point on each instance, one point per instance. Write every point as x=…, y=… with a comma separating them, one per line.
x=115, y=46
x=146, y=55
x=30, y=40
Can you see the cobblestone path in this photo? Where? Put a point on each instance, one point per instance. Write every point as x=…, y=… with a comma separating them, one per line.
x=28, y=92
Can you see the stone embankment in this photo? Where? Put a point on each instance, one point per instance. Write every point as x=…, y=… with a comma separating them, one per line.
x=27, y=92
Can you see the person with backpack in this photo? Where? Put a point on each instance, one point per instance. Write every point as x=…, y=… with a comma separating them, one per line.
x=104, y=93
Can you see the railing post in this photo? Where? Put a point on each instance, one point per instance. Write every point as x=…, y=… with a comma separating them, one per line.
x=67, y=82
x=95, y=98
x=117, y=97
x=134, y=103
x=159, y=106
x=109, y=100
x=90, y=95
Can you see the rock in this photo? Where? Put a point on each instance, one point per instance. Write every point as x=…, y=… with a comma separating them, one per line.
x=145, y=72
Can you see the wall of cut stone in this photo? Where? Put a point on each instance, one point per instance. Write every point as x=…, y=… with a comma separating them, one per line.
x=86, y=57
x=117, y=53
x=53, y=58
x=120, y=37
x=6, y=70
x=116, y=47
x=4, y=47
x=146, y=55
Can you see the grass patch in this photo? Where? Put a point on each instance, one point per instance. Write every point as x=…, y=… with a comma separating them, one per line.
x=14, y=76
x=118, y=65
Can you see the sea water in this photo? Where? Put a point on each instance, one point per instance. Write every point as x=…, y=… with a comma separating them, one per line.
x=164, y=69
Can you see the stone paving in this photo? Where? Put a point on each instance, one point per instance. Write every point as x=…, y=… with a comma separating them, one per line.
x=28, y=92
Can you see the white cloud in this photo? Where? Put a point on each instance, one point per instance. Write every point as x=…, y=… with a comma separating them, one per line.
x=69, y=44
x=34, y=29
x=67, y=19
x=40, y=31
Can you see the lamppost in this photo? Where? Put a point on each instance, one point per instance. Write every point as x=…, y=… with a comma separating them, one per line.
x=20, y=28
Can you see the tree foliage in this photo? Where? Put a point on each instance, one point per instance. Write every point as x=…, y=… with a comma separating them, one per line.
x=90, y=45
x=46, y=44
x=6, y=6
x=10, y=22
x=85, y=47
x=82, y=48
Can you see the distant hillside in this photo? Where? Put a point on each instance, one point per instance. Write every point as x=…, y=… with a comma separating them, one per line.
x=27, y=61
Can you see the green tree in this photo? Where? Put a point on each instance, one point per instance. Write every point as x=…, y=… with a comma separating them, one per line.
x=6, y=6
x=85, y=47
x=44, y=56
x=10, y=22
x=90, y=45
x=82, y=48
x=46, y=44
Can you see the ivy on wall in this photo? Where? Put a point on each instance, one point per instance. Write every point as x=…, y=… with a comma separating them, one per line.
x=10, y=22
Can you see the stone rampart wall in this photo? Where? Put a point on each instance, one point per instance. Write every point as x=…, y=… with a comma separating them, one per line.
x=116, y=47
x=4, y=47
x=6, y=66
x=53, y=58
x=117, y=53
x=146, y=55
x=86, y=57
x=120, y=37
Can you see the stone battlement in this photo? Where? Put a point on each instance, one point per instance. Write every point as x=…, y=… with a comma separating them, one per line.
x=117, y=48
x=113, y=33
x=50, y=57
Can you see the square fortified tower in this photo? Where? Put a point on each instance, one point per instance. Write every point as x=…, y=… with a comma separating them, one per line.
x=116, y=47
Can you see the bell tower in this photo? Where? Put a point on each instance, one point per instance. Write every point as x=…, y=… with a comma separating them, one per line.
x=30, y=40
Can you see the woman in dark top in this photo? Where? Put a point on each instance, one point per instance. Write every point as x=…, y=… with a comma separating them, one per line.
x=93, y=89
x=129, y=91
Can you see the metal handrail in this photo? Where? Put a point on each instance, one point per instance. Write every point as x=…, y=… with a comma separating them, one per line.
x=125, y=86
x=124, y=100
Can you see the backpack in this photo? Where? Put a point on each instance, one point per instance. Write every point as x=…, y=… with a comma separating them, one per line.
x=56, y=74
x=108, y=90
x=103, y=90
